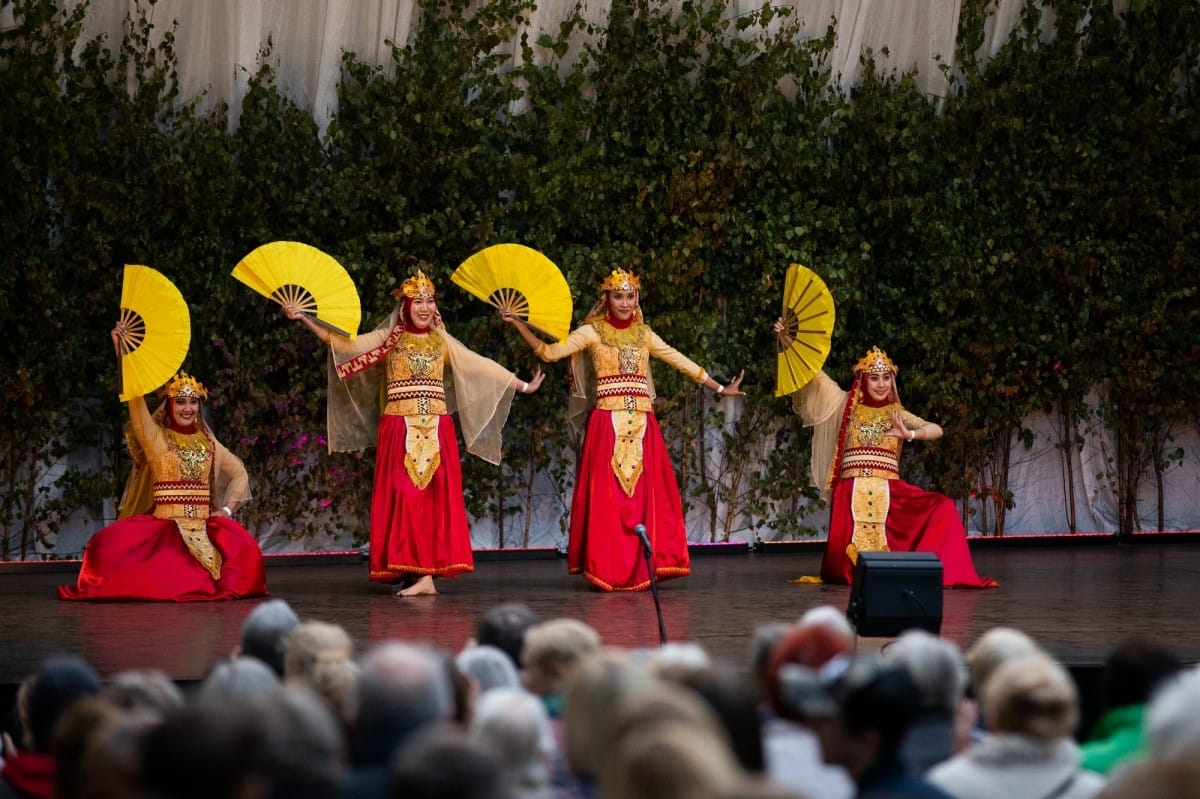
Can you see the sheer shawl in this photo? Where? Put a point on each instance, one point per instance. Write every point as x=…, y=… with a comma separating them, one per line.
x=478, y=389
x=229, y=483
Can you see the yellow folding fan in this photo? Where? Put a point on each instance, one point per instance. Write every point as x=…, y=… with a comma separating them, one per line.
x=293, y=273
x=808, y=317
x=523, y=281
x=158, y=331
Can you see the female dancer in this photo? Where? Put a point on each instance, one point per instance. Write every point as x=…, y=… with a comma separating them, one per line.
x=419, y=524
x=175, y=539
x=624, y=480
x=856, y=454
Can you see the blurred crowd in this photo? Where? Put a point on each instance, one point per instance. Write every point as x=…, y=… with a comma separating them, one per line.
x=542, y=708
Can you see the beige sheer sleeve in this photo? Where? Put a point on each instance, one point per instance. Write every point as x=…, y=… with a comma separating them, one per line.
x=483, y=394
x=819, y=404
x=231, y=483
x=352, y=406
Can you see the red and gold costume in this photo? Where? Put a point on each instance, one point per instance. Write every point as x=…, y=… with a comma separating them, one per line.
x=418, y=516
x=624, y=477
x=872, y=509
x=167, y=544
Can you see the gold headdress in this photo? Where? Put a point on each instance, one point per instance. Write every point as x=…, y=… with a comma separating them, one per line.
x=417, y=286
x=621, y=280
x=876, y=361
x=184, y=385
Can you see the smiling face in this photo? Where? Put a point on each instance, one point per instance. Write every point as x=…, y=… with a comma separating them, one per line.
x=879, y=386
x=421, y=311
x=185, y=409
x=622, y=304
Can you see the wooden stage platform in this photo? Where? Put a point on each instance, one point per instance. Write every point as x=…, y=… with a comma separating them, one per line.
x=1077, y=597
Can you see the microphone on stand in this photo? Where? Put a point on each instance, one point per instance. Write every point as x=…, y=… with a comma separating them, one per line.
x=648, y=553
x=640, y=531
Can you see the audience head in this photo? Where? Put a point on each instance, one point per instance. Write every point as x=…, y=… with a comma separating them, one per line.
x=150, y=691
x=1134, y=670
x=235, y=680
x=734, y=696
x=512, y=724
x=403, y=688
x=762, y=641
x=503, y=626
x=445, y=764
x=832, y=618
x=303, y=747
x=488, y=667
x=551, y=648
x=593, y=689
x=205, y=750
x=72, y=734
x=993, y=648
x=1031, y=695
x=1172, y=725
x=811, y=647
x=265, y=631
x=864, y=713
x=668, y=759
x=320, y=656
x=673, y=661
x=936, y=666
x=61, y=681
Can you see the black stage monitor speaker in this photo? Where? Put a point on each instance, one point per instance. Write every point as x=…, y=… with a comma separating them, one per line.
x=896, y=591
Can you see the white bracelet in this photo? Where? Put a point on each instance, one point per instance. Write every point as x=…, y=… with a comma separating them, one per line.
x=720, y=390
x=912, y=435
x=524, y=388
x=228, y=512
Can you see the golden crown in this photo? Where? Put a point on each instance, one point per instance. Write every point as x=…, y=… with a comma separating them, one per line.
x=876, y=361
x=417, y=286
x=184, y=385
x=621, y=280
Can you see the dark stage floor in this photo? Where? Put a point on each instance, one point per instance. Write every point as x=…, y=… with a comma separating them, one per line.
x=1077, y=600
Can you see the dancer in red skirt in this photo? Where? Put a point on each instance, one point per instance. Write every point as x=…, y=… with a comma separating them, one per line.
x=175, y=539
x=858, y=437
x=419, y=524
x=624, y=477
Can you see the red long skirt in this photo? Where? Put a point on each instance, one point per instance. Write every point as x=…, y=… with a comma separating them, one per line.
x=144, y=558
x=418, y=531
x=603, y=546
x=917, y=521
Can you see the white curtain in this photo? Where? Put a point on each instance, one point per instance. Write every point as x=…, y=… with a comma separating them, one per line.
x=221, y=42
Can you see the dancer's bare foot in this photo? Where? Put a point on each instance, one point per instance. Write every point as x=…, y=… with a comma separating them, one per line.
x=423, y=586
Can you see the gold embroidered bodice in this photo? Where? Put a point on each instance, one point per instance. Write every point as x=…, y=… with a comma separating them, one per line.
x=867, y=450
x=621, y=359
x=415, y=369
x=182, y=473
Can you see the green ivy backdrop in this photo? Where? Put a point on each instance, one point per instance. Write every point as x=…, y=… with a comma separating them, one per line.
x=1031, y=238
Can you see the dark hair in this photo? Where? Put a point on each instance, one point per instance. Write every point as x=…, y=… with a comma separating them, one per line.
x=1134, y=670
x=445, y=764
x=877, y=696
x=734, y=697
x=503, y=626
x=59, y=683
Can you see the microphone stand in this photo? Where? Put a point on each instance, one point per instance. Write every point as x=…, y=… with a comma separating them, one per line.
x=648, y=555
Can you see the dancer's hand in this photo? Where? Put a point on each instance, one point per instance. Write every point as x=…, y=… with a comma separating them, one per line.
x=536, y=381
x=118, y=335
x=734, y=387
